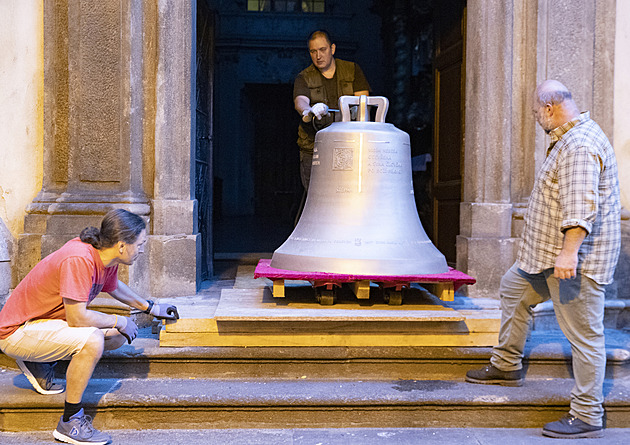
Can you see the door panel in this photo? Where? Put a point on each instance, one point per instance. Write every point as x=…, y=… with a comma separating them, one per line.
x=203, y=146
x=449, y=124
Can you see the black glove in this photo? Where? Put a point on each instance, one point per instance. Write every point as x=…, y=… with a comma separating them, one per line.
x=129, y=330
x=164, y=312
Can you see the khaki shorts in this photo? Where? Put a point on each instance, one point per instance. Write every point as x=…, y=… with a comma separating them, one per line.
x=45, y=341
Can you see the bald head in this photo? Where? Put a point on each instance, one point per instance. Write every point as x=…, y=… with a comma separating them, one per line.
x=553, y=105
x=552, y=92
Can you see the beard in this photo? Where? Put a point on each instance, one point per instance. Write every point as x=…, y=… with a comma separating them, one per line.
x=546, y=124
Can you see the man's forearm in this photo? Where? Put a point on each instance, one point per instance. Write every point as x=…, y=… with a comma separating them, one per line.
x=78, y=315
x=567, y=261
x=124, y=294
x=98, y=320
x=302, y=103
x=573, y=239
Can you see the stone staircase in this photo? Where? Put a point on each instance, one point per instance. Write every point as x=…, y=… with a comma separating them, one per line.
x=205, y=387
x=391, y=386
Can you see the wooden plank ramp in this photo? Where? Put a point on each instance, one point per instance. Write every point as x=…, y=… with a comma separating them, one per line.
x=249, y=315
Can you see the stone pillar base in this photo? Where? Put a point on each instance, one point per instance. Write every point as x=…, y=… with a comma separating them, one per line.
x=51, y=222
x=174, y=249
x=485, y=248
x=169, y=267
x=485, y=259
x=174, y=216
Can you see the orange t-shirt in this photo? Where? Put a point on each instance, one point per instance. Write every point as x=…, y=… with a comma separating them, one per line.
x=75, y=271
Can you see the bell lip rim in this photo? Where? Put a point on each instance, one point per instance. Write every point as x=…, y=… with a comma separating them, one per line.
x=354, y=272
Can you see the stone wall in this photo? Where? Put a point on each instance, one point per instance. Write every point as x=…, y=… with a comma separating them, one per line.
x=511, y=47
x=118, y=125
x=6, y=244
x=21, y=108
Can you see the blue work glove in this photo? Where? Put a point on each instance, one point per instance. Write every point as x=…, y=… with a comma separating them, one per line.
x=164, y=312
x=128, y=328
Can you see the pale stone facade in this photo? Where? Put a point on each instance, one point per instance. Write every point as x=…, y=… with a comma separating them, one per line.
x=21, y=122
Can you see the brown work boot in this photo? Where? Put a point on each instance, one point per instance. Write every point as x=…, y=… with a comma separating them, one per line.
x=570, y=427
x=489, y=375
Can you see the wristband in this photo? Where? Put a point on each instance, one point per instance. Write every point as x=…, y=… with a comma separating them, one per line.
x=148, y=311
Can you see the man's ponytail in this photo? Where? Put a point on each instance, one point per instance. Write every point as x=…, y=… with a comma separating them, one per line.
x=91, y=235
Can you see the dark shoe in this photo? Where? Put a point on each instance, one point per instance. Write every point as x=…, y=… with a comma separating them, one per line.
x=489, y=375
x=79, y=430
x=41, y=376
x=570, y=427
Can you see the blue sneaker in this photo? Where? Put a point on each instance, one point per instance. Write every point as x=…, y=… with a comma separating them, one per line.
x=79, y=430
x=41, y=376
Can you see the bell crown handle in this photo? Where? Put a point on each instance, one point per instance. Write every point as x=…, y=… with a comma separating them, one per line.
x=381, y=102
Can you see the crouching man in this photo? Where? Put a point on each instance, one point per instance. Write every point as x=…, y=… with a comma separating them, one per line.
x=46, y=317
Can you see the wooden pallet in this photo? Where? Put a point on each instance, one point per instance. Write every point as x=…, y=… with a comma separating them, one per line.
x=392, y=286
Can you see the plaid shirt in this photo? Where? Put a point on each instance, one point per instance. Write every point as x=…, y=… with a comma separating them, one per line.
x=577, y=186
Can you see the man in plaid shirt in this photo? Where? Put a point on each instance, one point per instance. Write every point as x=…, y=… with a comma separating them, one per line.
x=569, y=251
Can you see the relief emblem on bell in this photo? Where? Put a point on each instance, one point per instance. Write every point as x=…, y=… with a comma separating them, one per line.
x=360, y=215
x=342, y=158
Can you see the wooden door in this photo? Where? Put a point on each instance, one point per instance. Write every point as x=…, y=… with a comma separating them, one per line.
x=450, y=24
x=203, y=146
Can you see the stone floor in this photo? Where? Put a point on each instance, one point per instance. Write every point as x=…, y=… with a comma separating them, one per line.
x=345, y=436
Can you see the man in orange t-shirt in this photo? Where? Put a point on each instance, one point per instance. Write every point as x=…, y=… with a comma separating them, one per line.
x=46, y=318
x=75, y=272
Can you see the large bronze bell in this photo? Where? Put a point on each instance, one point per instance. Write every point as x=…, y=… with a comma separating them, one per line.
x=360, y=216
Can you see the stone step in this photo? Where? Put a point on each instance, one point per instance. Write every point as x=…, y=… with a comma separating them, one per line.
x=547, y=355
x=242, y=384
x=184, y=403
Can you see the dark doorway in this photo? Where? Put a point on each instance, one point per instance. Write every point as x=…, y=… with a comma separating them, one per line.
x=270, y=126
x=276, y=156
x=450, y=31
x=203, y=142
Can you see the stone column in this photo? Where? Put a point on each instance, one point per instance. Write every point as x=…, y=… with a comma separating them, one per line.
x=485, y=246
x=511, y=47
x=576, y=41
x=92, y=149
x=175, y=246
x=576, y=45
x=118, y=123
